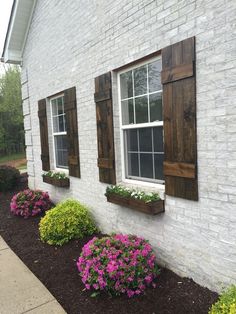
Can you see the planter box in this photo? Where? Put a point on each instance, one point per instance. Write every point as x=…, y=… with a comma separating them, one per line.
x=62, y=183
x=152, y=208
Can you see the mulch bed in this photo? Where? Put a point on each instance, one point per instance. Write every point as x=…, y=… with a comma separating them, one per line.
x=56, y=268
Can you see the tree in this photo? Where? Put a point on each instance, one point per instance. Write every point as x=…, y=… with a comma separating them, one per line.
x=11, y=117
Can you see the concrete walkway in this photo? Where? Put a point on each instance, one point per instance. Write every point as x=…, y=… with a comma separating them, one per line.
x=20, y=291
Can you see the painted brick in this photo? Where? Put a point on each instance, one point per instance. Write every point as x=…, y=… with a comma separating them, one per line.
x=193, y=238
x=26, y=107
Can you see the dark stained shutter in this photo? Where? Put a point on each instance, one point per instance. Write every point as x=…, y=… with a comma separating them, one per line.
x=43, y=125
x=105, y=134
x=72, y=131
x=179, y=109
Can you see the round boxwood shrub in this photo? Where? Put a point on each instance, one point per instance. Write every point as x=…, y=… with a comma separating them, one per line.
x=29, y=203
x=68, y=220
x=226, y=303
x=118, y=264
x=9, y=177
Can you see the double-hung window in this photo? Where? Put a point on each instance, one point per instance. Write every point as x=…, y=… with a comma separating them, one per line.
x=59, y=132
x=141, y=122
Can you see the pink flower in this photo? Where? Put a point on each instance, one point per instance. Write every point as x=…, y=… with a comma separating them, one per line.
x=118, y=264
x=30, y=203
x=130, y=293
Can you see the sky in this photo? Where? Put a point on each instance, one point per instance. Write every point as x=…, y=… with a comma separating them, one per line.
x=5, y=11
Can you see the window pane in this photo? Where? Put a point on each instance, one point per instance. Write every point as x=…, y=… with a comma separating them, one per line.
x=158, y=139
x=61, y=123
x=64, y=119
x=141, y=109
x=140, y=80
x=61, y=151
x=62, y=159
x=126, y=85
x=155, y=102
x=145, y=139
x=146, y=165
x=127, y=111
x=55, y=125
x=61, y=142
x=133, y=169
x=54, y=107
x=132, y=140
x=60, y=106
x=154, y=76
x=158, y=160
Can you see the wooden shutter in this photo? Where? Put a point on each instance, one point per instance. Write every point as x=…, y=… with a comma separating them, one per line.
x=105, y=134
x=179, y=110
x=72, y=131
x=43, y=125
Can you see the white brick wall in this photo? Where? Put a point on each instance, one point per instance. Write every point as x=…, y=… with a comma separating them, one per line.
x=70, y=44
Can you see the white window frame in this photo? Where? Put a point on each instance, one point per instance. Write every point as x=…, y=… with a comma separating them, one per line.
x=65, y=170
x=160, y=184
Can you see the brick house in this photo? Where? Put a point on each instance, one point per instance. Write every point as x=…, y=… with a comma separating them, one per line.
x=139, y=93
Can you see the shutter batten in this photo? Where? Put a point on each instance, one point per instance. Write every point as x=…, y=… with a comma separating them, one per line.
x=105, y=133
x=72, y=131
x=177, y=73
x=179, y=115
x=43, y=125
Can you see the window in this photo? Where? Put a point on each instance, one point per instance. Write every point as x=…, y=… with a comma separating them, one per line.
x=142, y=122
x=59, y=132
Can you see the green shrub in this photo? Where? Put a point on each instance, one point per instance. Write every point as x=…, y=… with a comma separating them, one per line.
x=226, y=303
x=68, y=220
x=9, y=177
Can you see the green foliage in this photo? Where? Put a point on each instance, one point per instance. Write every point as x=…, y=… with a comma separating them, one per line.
x=126, y=192
x=56, y=175
x=68, y=220
x=11, y=117
x=8, y=177
x=226, y=303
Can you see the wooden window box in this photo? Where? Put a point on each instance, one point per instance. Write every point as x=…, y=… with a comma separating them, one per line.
x=152, y=208
x=62, y=183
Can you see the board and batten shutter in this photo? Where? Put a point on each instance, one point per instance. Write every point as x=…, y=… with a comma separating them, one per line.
x=70, y=107
x=43, y=125
x=105, y=133
x=179, y=115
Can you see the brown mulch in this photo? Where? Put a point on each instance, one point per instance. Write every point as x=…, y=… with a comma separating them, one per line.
x=56, y=268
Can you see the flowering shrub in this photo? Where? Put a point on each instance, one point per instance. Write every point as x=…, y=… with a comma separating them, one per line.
x=118, y=264
x=68, y=220
x=30, y=203
x=226, y=303
x=9, y=177
x=126, y=192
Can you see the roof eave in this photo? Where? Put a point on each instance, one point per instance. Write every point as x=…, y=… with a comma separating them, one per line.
x=15, y=56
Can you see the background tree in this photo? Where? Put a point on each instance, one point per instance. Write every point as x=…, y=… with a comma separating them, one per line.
x=11, y=117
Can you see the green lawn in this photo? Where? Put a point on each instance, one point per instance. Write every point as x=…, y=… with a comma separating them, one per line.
x=23, y=166
x=12, y=157
x=16, y=160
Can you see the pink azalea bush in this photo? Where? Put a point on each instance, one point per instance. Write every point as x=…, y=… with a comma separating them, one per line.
x=118, y=264
x=30, y=203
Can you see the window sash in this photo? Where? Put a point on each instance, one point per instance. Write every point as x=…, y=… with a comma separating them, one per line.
x=124, y=127
x=56, y=134
x=141, y=153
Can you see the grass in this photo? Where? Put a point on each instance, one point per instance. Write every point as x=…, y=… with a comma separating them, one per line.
x=15, y=160
x=13, y=157
x=23, y=166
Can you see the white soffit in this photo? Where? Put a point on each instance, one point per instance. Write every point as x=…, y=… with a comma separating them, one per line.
x=18, y=27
